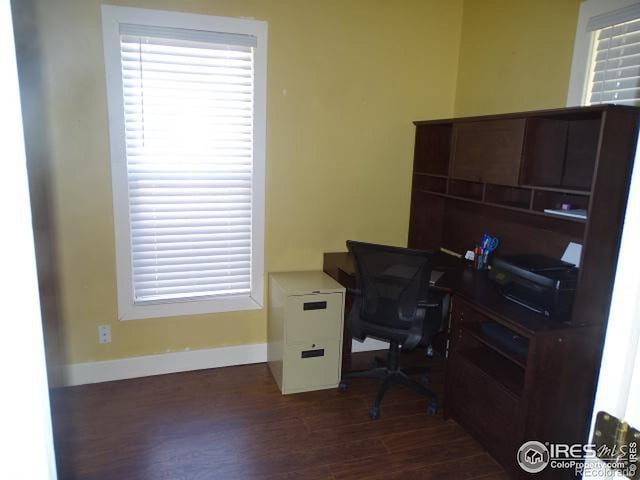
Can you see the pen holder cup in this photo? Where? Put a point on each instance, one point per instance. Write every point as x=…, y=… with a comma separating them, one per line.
x=481, y=261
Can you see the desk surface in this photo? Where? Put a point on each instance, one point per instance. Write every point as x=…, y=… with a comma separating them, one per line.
x=471, y=285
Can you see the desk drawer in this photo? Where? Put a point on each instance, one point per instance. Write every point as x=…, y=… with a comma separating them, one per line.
x=484, y=408
x=462, y=312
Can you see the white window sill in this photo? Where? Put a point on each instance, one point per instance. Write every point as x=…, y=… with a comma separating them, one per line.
x=191, y=307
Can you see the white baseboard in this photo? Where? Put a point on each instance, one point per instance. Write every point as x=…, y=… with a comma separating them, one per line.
x=106, y=371
x=133, y=367
x=368, y=345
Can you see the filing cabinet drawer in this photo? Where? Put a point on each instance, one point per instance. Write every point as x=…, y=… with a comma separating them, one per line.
x=310, y=366
x=317, y=317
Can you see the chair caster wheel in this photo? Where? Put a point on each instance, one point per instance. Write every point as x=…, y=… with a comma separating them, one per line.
x=342, y=386
x=432, y=408
x=374, y=413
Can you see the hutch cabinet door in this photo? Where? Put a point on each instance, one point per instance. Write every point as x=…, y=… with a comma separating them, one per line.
x=488, y=151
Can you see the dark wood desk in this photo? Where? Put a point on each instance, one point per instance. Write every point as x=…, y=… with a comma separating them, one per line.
x=509, y=175
x=500, y=397
x=466, y=283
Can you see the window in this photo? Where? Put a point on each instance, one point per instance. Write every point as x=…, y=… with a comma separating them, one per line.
x=614, y=76
x=606, y=61
x=186, y=98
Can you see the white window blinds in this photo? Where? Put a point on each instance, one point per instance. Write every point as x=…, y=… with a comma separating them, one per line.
x=615, y=68
x=189, y=108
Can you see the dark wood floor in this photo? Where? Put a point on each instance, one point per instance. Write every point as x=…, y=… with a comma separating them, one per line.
x=233, y=423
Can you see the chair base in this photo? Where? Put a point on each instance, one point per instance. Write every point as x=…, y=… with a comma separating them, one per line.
x=423, y=371
x=391, y=374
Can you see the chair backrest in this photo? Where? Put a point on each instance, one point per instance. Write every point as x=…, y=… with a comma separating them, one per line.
x=393, y=282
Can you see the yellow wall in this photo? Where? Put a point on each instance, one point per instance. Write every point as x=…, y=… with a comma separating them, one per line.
x=339, y=146
x=515, y=55
x=345, y=80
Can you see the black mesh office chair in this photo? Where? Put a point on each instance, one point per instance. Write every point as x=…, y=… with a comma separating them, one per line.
x=393, y=303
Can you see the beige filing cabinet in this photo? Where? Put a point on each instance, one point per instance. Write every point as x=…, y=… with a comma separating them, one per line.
x=304, y=348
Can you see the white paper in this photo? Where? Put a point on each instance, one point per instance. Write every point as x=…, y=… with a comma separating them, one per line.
x=575, y=213
x=572, y=254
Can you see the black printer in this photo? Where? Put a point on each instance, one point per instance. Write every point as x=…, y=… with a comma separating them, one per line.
x=542, y=284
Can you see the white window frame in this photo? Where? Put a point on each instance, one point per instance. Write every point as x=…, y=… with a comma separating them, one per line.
x=583, y=47
x=112, y=17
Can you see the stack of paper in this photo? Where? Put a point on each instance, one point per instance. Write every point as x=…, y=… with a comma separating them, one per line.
x=576, y=213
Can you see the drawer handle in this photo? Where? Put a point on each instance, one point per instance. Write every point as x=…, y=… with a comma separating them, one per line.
x=314, y=306
x=312, y=353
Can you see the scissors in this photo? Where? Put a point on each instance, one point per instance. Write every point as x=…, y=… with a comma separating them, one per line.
x=489, y=243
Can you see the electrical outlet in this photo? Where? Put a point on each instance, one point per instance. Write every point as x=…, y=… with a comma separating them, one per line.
x=104, y=334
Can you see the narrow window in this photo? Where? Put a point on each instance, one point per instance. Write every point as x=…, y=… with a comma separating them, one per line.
x=614, y=75
x=606, y=54
x=186, y=116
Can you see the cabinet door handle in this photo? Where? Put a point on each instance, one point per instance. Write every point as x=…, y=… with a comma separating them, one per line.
x=314, y=306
